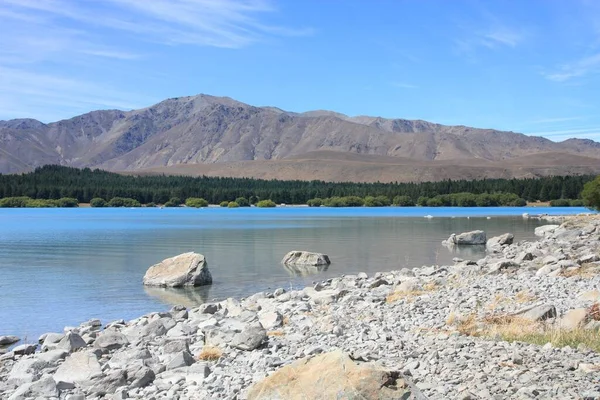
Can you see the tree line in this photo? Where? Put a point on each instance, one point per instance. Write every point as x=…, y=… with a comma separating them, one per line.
x=55, y=182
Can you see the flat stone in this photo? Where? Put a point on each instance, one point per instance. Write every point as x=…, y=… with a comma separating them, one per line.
x=79, y=368
x=573, y=319
x=330, y=376
x=539, y=313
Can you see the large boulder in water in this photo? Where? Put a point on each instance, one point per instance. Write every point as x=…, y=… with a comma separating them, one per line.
x=466, y=238
x=304, y=258
x=188, y=269
x=333, y=376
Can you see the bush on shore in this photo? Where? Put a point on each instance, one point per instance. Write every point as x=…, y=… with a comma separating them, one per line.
x=316, y=202
x=123, y=202
x=27, y=202
x=232, y=204
x=403, y=201
x=591, y=194
x=266, y=204
x=98, y=202
x=196, y=202
x=566, y=203
x=242, y=202
x=224, y=203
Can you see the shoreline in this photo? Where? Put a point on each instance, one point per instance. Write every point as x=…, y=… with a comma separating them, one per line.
x=412, y=321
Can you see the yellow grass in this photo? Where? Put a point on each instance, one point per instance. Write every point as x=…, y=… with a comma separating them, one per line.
x=410, y=295
x=210, y=353
x=275, y=333
x=524, y=297
x=513, y=328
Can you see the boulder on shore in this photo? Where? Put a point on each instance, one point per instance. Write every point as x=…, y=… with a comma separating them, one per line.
x=187, y=269
x=8, y=339
x=296, y=257
x=332, y=376
x=467, y=238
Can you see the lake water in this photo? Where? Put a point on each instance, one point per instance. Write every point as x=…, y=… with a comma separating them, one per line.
x=64, y=266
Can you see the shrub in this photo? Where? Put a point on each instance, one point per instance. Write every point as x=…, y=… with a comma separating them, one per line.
x=196, y=202
x=591, y=194
x=14, y=202
x=232, y=204
x=422, y=201
x=577, y=203
x=42, y=203
x=560, y=203
x=435, y=202
x=379, y=201
x=242, y=202
x=123, y=202
x=403, y=201
x=68, y=202
x=266, y=204
x=224, y=204
x=316, y=202
x=97, y=202
x=151, y=204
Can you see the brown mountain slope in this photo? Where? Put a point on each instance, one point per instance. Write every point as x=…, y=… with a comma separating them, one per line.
x=337, y=167
x=226, y=137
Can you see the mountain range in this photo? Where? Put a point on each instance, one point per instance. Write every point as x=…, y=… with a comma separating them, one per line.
x=219, y=136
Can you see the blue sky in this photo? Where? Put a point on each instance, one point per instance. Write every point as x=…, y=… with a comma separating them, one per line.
x=527, y=66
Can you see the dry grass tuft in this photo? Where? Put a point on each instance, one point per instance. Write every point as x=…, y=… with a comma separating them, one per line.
x=410, y=295
x=275, y=333
x=210, y=353
x=525, y=297
x=585, y=271
x=513, y=328
x=286, y=320
x=406, y=295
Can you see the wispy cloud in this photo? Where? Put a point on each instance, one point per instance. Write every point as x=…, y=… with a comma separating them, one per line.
x=61, y=54
x=580, y=133
x=554, y=120
x=578, y=68
x=492, y=37
x=223, y=23
x=403, y=85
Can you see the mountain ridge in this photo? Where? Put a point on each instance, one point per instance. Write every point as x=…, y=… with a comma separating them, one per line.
x=204, y=129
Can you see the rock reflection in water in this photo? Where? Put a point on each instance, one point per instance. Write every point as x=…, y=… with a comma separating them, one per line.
x=305, y=270
x=189, y=297
x=472, y=252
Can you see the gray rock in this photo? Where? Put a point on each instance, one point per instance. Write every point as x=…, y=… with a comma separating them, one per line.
x=6, y=340
x=181, y=359
x=70, y=342
x=79, y=368
x=44, y=387
x=545, y=230
x=539, y=313
x=250, y=338
x=467, y=238
x=501, y=240
x=302, y=258
x=270, y=320
x=110, y=340
x=188, y=269
x=503, y=265
x=25, y=349
x=26, y=370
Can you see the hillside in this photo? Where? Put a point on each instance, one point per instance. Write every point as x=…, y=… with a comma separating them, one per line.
x=223, y=137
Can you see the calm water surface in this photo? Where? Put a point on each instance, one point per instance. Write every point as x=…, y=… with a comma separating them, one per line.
x=64, y=266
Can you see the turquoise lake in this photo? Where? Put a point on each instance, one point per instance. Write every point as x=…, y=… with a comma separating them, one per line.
x=60, y=267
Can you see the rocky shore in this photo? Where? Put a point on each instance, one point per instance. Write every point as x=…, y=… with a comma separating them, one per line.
x=434, y=332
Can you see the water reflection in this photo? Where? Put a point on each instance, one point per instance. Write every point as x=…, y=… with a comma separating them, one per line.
x=473, y=252
x=189, y=297
x=305, y=270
